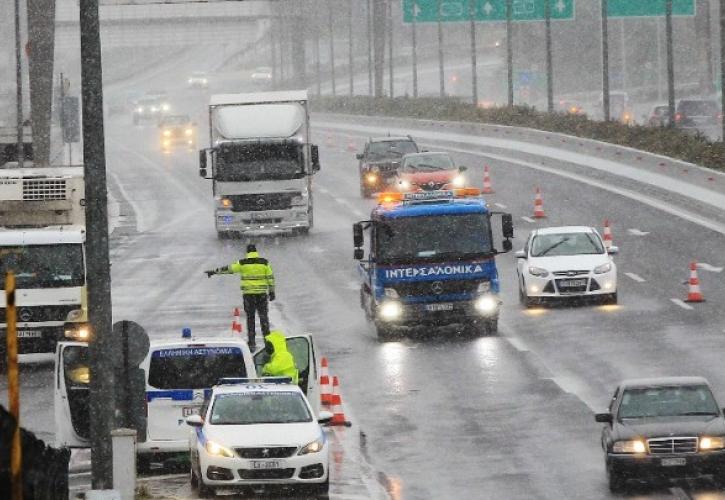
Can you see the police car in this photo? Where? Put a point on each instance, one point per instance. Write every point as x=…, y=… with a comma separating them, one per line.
x=257, y=433
x=179, y=375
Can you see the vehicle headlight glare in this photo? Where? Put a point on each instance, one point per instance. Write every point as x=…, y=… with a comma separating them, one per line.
x=371, y=178
x=712, y=443
x=225, y=202
x=139, y=109
x=391, y=293
x=459, y=181
x=167, y=133
x=204, y=81
x=391, y=310
x=154, y=109
x=213, y=448
x=634, y=446
x=405, y=185
x=165, y=107
x=315, y=446
x=81, y=334
x=188, y=131
x=538, y=271
x=487, y=304
x=604, y=268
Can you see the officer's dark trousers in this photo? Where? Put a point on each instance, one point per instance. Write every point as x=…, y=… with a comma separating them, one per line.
x=256, y=304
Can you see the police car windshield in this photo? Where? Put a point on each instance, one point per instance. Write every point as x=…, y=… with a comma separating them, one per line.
x=675, y=401
x=194, y=367
x=43, y=266
x=274, y=407
x=433, y=238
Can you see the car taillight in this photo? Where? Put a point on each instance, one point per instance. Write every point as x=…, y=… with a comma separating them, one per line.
x=678, y=117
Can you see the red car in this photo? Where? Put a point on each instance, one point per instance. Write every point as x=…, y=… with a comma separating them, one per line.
x=429, y=172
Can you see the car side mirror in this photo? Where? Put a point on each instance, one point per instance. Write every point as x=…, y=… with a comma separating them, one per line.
x=194, y=421
x=603, y=418
x=315, y=157
x=520, y=254
x=462, y=168
x=613, y=250
x=359, y=156
x=507, y=225
x=324, y=417
x=358, y=254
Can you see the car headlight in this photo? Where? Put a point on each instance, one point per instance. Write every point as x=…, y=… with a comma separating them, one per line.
x=459, y=181
x=484, y=287
x=712, y=443
x=165, y=107
x=81, y=333
x=371, y=178
x=405, y=185
x=486, y=304
x=167, y=133
x=139, y=109
x=218, y=450
x=315, y=446
x=188, y=131
x=204, y=81
x=633, y=446
x=154, y=109
x=391, y=293
x=604, y=268
x=538, y=271
x=391, y=310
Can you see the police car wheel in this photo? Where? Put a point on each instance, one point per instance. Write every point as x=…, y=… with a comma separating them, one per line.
x=193, y=480
x=205, y=491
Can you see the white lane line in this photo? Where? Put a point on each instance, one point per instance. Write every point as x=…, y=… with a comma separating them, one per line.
x=528, y=219
x=323, y=190
x=140, y=222
x=707, y=267
x=501, y=206
x=341, y=201
x=635, y=277
x=682, y=304
x=637, y=232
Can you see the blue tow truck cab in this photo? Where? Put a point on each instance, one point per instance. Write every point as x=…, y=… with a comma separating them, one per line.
x=430, y=261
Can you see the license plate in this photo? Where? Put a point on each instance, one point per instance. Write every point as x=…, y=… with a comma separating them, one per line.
x=439, y=307
x=572, y=283
x=672, y=462
x=187, y=411
x=29, y=334
x=267, y=464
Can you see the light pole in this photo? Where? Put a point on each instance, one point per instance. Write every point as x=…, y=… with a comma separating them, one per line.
x=350, y=62
x=441, y=71
x=391, y=66
x=19, y=87
x=549, y=62
x=605, y=60
x=670, y=64
x=509, y=53
x=474, y=69
x=332, y=47
x=414, y=48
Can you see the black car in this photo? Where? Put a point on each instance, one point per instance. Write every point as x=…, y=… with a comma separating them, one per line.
x=380, y=160
x=696, y=113
x=663, y=428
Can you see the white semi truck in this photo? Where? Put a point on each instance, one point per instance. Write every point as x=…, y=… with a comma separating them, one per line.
x=42, y=240
x=261, y=162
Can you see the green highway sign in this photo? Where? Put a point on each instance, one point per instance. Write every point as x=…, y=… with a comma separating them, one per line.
x=431, y=11
x=648, y=8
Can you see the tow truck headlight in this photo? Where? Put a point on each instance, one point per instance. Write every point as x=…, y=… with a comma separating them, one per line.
x=204, y=81
x=391, y=310
x=538, y=271
x=81, y=333
x=139, y=109
x=188, y=131
x=712, y=443
x=371, y=178
x=315, y=446
x=486, y=304
x=391, y=293
x=459, y=181
x=484, y=287
x=165, y=107
x=634, y=446
x=604, y=268
x=167, y=133
x=218, y=450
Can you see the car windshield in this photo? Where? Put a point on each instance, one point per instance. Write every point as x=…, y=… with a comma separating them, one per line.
x=558, y=244
x=428, y=163
x=274, y=407
x=433, y=239
x=674, y=401
x=194, y=367
x=176, y=120
x=44, y=266
x=698, y=108
x=253, y=162
x=387, y=149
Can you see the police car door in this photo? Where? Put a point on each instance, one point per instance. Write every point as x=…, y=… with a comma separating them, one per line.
x=71, y=395
x=303, y=350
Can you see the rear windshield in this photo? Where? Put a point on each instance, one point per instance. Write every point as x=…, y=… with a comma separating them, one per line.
x=194, y=367
x=698, y=108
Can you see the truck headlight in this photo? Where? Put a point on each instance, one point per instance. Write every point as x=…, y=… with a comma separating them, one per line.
x=486, y=304
x=484, y=287
x=218, y=450
x=538, y=271
x=139, y=109
x=391, y=310
x=165, y=107
x=604, y=268
x=315, y=446
x=405, y=185
x=712, y=443
x=371, y=178
x=391, y=293
x=81, y=333
x=633, y=446
x=459, y=181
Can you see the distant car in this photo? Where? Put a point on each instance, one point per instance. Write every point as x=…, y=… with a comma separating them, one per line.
x=429, y=172
x=666, y=427
x=697, y=113
x=262, y=76
x=198, y=80
x=566, y=262
x=571, y=108
x=150, y=109
x=380, y=160
x=177, y=130
x=659, y=116
x=256, y=433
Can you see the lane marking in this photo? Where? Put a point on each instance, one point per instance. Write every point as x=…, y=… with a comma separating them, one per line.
x=707, y=267
x=501, y=206
x=134, y=206
x=322, y=190
x=682, y=304
x=635, y=277
x=528, y=219
x=341, y=201
x=637, y=232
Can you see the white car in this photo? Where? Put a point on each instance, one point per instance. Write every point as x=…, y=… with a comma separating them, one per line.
x=198, y=79
x=566, y=262
x=258, y=433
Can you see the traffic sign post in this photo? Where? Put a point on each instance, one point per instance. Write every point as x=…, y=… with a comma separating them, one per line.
x=431, y=11
x=649, y=8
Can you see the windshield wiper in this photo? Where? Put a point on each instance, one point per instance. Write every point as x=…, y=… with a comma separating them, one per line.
x=549, y=249
x=695, y=413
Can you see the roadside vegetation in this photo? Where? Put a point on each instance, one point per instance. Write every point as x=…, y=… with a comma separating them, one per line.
x=672, y=143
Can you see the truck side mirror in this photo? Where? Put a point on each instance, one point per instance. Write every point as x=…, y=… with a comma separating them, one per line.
x=315, y=151
x=358, y=254
x=359, y=156
x=357, y=235
x=462, y=168
x=507, y=245
x=507, y=226
x=202, y=163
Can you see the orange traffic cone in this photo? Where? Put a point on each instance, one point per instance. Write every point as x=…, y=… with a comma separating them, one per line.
x=351, y=146
x=538, y=205
x=487, y=189
x=338, y=415
x=325, y=388
x=607, y=235
x=694, y=294
x=236, y=322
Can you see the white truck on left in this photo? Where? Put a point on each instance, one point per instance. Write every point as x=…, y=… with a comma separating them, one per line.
x=42, y=240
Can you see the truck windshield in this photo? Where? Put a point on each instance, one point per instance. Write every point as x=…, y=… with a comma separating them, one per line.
x=433, y=238
x=259, y=162
x=43, y=266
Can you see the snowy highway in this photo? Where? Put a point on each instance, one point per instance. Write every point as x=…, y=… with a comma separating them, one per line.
x=434, y=416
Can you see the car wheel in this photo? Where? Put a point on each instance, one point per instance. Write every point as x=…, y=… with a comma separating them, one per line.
x=616, y=480
x=611, y=298
x=321, y=490
x=205, y=491
x=193, y=480
x=524, y=298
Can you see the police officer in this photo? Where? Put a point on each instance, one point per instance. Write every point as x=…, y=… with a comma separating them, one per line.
x=281, y=362
x=257, y=283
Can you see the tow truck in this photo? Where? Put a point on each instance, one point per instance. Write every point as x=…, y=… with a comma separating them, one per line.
x=431, y=261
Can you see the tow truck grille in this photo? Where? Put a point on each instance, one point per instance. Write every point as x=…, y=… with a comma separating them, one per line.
x=271, y=452
x=43, y=189
x=423, y=288
x=662, y=446
x=264, y=201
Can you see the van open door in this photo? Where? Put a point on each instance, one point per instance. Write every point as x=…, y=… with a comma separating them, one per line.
x=72, y=395
x=302, y=348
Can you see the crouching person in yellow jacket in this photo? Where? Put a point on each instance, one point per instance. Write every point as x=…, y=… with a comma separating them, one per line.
x=281, y=362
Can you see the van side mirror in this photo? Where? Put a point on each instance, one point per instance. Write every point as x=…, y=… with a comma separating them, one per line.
x=315, y=153
x=507, y=225
x=613, y=250
x=603, y=418
x=202, y=162
x=357, y=235
x=194, y=421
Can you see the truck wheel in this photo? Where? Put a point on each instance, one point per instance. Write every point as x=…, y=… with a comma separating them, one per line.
x=385, y=332
x=611, y=298
x=616, y=481
x=524, y=297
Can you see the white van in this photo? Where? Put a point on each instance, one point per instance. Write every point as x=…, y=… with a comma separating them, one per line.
x=179, y=376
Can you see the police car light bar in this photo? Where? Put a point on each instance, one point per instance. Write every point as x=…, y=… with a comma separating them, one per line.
x=256, y=380
x=427, y=196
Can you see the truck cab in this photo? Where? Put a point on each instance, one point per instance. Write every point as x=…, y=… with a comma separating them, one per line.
x=430, y=261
